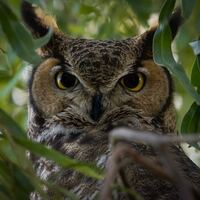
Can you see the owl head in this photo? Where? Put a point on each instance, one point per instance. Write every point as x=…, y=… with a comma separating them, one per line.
x=84, y=85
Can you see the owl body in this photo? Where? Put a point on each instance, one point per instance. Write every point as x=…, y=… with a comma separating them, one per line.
x=85, y=88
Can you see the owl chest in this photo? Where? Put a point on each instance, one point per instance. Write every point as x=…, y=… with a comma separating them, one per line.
x=84, y=187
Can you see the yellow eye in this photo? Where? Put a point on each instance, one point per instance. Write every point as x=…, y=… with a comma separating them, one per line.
x=133, y=82
x=65, y=80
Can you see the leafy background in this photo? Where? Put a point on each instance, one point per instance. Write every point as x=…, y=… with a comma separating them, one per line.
x=102, y=19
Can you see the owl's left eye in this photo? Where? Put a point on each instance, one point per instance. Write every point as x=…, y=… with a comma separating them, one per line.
x=133, y=81
x=65, y=80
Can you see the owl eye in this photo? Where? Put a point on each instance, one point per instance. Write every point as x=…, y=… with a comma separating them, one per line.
x=133, y=81
x=65, y=80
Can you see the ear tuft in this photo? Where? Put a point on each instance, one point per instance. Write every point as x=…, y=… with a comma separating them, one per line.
x=38, y=21
x=39, y=24
x=175, y=21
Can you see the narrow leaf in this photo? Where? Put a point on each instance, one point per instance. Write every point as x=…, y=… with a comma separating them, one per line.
x=6, y=151
x=187, y=7
x=11, y=83
x=7, y=123
x=59, y=158
x=20, y=40
x=195, y=77
x=189, y=121
x=162, y=52
x=166, y=11
x=42, y=40
x=18, y=135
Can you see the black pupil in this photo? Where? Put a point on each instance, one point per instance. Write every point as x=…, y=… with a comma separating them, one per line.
x=131, y=80
x=68, y=80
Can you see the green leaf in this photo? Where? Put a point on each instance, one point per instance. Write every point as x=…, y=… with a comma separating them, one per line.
x=162, y=46
x=60, y=159
x=166, y=11
x=8, y=124
x=42, y=40
x=11, y=83
x=25, y=187
x=6, y=151
x=191, y=122
x=162, y=52
x=18, y=135
x=9, y=150
x=13, y=130
x=187, y=7
x=20, y=40
x=195, y=77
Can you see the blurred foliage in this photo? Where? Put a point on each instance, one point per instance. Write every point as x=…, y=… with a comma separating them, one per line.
x=102, y=19
x=191, y=121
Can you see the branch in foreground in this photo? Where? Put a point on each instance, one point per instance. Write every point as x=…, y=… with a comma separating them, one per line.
x=121, y=151
x=150, y=138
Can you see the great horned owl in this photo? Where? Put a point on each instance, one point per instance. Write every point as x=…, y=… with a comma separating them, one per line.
x=84, y=88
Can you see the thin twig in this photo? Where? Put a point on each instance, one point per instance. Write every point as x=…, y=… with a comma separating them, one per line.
x=111, y=173
x=122, y=151
x=150, y=138
x=119, y=153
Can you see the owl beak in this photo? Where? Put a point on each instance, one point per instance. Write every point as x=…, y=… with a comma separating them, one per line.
x=96, y=108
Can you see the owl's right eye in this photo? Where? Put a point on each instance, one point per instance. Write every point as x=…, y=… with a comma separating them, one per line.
x=65, y=80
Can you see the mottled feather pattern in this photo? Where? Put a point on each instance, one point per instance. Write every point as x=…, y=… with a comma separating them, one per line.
x=77, y=121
